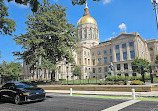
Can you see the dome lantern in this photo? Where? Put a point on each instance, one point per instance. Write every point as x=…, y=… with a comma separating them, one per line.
x=86, y=17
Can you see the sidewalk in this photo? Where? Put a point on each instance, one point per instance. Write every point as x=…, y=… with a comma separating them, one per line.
x=106, y=93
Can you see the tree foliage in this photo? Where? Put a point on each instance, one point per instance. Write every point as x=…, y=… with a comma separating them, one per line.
x=81, y=2
x=77, y=71
x=138, y=63
x=49, y=37
x=33, y=3
x=10, y=71
x=7, y=26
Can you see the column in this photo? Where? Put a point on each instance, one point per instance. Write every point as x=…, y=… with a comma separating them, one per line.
x=82, y=34
x=87, y=32
x=128, y=52
x=121, y=53
x=121, y=67
x=136, y=47
x=113, y=54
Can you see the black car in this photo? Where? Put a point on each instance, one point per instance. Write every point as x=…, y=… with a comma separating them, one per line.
x=21, y=92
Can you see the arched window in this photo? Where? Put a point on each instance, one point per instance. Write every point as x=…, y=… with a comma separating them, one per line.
x=85, y=35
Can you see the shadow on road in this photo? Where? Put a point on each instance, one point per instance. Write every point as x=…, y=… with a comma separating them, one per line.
x=49, y=97
x=3, y=101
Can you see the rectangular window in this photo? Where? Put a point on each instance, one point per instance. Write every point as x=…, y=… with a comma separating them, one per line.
x=123, y=45
x=85, y=70
x=110, y=50
x=99, y=70
x=125, y=55
x=105, y=60
x=118, y=67
x=110, y=58
x=131, y=44
x=118, y=56
x=105, y=69
x=125, y=66
x=99, y=61
x=126, y=74
x=118, y=74
x=93, y=61
x=105, y=52
x=85, y=61
x=117, y=47
x=88, y=61
x=84, y=52
x=93, y=70
x=134, y=74
x=132, y=54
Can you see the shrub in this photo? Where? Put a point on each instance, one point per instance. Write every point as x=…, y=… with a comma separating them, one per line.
x=137, y=82
x=62, y=79
x=147, y=77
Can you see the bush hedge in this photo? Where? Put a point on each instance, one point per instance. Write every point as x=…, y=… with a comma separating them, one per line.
x=126, y=78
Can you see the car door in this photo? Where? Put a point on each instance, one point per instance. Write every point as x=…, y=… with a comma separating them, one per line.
x=12, y=91
x=5, y=91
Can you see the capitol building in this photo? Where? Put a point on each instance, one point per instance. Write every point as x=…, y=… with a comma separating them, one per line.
x=94, y=58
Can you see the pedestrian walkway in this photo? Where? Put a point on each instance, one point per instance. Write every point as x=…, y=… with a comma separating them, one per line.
x=106, y=93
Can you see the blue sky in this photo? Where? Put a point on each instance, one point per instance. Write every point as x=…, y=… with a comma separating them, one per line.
x=112, y=16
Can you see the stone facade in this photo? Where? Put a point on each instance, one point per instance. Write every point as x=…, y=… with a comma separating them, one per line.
x=94, y=58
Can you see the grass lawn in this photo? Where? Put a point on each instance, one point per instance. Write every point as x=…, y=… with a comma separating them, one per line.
x=116, y=97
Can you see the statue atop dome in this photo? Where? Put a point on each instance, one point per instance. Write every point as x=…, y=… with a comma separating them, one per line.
x=86, y=10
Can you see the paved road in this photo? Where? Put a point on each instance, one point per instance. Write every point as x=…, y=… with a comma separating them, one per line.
x=55, y=102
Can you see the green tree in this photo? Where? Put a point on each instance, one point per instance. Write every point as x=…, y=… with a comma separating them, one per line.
x=77, y=71
x=7, y=26
x=33, y=3
x=138, y=63
x=10, y=71
x=49, y=38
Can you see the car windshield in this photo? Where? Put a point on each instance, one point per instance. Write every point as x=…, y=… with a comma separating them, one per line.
x=24, y=85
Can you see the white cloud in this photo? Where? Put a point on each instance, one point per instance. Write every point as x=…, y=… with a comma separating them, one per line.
x=19, y=5
x=113, y=33
x=106, y=1
x=122, y=27
x=107, y=39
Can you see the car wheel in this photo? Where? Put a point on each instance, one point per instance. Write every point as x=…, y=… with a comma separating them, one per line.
x=17, y=100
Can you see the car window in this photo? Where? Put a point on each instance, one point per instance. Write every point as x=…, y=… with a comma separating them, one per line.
x=6, y=86
x=23, y=85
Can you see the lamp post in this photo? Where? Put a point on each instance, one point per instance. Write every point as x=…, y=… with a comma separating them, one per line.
x=67, y=71
x=155, y=2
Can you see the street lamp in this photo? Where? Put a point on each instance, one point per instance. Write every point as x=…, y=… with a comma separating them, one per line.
x=155, y=2
x=67, y=71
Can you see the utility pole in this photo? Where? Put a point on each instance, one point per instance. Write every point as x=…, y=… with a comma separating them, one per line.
x=155, y=2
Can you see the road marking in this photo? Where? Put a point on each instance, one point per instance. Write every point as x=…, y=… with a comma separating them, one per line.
x=121, y=105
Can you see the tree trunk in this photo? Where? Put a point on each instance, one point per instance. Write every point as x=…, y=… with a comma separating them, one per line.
x=53, y=76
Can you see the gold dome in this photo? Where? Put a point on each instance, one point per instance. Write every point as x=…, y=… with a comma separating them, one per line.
x=86, y=19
